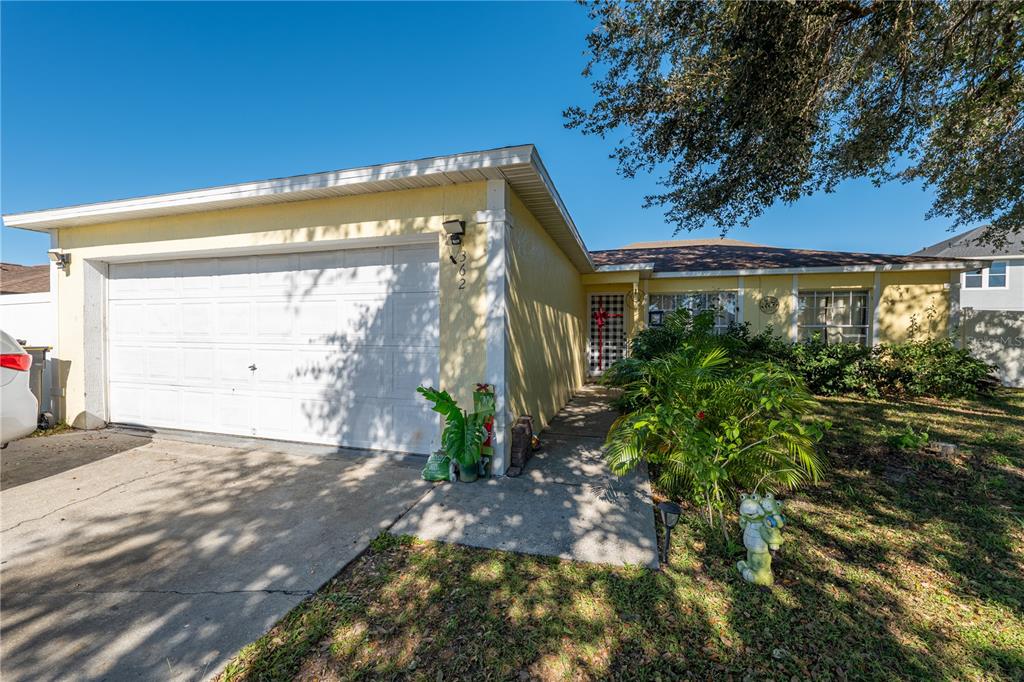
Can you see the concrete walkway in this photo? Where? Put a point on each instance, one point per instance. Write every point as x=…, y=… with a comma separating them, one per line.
x=565, y=504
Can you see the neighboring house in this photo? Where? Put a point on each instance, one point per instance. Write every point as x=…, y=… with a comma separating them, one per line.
x=991, y=299
x=309, y=308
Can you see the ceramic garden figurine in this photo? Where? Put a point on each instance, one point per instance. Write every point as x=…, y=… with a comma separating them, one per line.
x=761, y=520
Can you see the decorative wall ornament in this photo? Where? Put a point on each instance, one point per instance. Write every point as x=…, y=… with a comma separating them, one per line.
x=769, y=305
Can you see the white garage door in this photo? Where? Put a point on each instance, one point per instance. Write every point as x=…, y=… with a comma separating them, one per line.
x=324, y=347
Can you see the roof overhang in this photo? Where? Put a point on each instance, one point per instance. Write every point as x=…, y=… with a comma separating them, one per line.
x=520, y=166
x=884, y=267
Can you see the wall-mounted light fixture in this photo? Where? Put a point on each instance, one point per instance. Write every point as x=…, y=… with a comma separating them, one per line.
x=59, y=258
x=454, y=229
x=656, y=318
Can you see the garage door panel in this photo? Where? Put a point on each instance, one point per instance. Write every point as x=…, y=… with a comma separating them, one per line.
x=198, y=410
x=234, y=412
x=415, y=269
x=163, y=364
x=197, y=320
x=234, y=276
x=316, y=321
x=277, y=416
x=233, y=320
x=163, y=407
x=128, y=363
x=340, y=341
x=197, y=366
x=363, y=319
x=418, y=426
x=411, y=369
x=127, y=401
x=416, y=318
x=232, y=366
x=163, y=279
x=127, y=319
x=274, y=320
x=162, y=321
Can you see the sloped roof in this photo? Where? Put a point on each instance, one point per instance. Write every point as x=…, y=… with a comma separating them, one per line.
x=24, y=279
x=702, y=256
x=962, y=246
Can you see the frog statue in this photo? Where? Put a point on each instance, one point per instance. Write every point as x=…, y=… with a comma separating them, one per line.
x=762, y=521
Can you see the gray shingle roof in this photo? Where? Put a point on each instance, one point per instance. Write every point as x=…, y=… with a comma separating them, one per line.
x=703, y=256
x=962, y=246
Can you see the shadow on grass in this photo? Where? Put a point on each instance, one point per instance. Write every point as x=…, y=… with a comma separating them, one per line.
x=901, y=566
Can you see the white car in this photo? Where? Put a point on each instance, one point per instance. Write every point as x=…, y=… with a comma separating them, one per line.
x=19, y=410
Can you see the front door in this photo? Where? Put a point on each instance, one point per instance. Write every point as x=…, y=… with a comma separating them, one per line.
x=607, y=330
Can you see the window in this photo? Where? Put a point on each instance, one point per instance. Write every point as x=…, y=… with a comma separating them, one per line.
x=723, y=303
x=838, y=316
x=997, y=275
x=972, y=279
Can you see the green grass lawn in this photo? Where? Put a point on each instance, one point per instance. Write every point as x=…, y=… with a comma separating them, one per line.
x=900, y=565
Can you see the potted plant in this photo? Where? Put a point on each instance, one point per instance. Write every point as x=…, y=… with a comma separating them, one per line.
x=464, y=432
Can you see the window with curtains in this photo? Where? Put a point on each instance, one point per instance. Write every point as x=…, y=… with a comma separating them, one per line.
x=838, y=316
x=723, y=303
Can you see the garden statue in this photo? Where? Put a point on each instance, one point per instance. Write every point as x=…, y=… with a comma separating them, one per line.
x=761, y=520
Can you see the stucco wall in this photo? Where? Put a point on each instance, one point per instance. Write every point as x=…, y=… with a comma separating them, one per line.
x=546, y=321
x=907, y=300
x=281, y=227
x=1009, y=298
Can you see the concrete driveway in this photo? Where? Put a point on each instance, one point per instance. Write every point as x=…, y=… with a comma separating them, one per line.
x=158, y=558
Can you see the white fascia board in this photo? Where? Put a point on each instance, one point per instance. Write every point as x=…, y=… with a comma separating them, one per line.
x=210, y=198
x=888, y=267
x=642, y=267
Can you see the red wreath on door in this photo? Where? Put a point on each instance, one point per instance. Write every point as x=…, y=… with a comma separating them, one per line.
x=601, y=317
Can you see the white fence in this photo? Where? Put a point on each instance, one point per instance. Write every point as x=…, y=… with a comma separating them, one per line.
x=32, y=318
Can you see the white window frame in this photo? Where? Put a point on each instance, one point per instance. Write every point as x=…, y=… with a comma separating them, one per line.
x=831, y=294
x=985, y=274
x=722, y=323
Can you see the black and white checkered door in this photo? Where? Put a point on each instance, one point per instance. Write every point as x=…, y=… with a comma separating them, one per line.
x=607, y=330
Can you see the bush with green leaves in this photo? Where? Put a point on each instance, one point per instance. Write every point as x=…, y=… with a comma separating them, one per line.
x=712, y=426
x=931, y=367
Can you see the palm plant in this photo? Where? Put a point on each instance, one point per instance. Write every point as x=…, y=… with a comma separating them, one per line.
x=464, y=432
x=713, y=427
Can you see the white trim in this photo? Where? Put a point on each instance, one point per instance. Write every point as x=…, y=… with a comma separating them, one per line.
x=496, y=329
x=627, y=267
x=888, y=267
x=876, y=309
x=740, y=293
x=287, y=247
x=794, y=321
x=209, y=198
x=955, y=320
x=94, y=344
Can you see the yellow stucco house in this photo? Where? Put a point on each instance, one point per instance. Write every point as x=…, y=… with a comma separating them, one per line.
x=309, y=308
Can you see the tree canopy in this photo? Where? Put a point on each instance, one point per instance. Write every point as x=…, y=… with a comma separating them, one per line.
x=741, y=104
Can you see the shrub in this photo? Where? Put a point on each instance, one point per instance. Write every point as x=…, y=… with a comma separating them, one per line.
x=713, y=427
x=906, y=439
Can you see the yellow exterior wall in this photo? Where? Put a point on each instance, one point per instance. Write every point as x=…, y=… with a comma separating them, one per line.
x=546, y=350
x=907, y=299
x=913, y=299
x=385, y=214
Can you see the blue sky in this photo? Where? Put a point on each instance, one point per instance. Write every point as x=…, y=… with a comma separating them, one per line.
x=116, y=100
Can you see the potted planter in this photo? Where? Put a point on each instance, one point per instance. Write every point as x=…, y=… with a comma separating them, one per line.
x=464, y=432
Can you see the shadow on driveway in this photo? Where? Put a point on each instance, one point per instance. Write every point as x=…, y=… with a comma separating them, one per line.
x=160, y=562
x=32, y=459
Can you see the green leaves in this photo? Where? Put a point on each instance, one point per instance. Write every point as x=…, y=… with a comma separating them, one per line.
x=463, y=432
x=750, y=103
x=712, y=425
